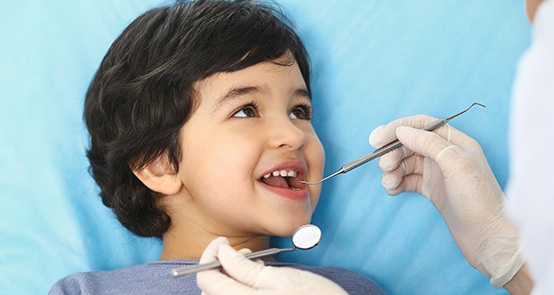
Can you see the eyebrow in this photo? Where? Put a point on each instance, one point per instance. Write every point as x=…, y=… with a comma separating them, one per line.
x=235, y=93
x=303, y=92
x=240, y=91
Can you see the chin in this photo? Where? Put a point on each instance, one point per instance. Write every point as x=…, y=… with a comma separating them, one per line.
x=287, y=228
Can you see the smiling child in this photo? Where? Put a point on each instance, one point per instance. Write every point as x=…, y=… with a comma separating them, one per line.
x=199, y=121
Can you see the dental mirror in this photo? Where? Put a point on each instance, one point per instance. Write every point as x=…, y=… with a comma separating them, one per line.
x=304, y=238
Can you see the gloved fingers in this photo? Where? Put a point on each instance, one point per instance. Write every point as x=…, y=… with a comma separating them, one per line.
x=244, y=251
x=454, y=136
x=459, y=138
x=427, y=144
x=272, y=280
x=213, y=281
x=416, y=174
x=248, y=251
x=210, y=253
x=449, y=157
x=387, y=133
x=409, y=183
x=408, y=166
x=239, y=267
x=393, y=159
x=433, y=185
x=384, y=134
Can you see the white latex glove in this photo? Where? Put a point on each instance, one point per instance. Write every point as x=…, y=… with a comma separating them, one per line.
x=450, y=169
x=243, y=276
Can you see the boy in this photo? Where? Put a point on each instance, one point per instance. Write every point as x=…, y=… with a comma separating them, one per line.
x=199, y=119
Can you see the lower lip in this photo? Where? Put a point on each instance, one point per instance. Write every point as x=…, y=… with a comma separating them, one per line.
x=300, y=194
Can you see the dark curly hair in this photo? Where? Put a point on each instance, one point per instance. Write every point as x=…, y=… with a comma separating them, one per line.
x=142, y=94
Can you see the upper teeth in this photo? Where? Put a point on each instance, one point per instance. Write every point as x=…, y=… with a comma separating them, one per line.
x=282, y=173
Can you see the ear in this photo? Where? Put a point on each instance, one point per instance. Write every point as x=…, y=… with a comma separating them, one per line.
x=160, y=176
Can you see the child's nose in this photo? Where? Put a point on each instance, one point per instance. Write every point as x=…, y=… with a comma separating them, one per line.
x=285, y=134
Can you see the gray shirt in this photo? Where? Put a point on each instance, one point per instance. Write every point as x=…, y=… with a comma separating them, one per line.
x=155, y=278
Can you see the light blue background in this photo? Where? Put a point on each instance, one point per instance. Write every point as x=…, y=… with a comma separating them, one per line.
x=373, y=61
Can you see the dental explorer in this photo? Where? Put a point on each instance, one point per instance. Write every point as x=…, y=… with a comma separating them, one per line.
x=388, y=147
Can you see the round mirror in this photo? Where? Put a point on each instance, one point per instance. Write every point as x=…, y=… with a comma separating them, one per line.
x=306, y=237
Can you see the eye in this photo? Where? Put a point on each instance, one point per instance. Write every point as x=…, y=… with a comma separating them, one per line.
x=247, y=111
x=301, y=112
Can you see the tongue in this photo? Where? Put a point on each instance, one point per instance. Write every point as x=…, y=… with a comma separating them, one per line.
x=276, y=181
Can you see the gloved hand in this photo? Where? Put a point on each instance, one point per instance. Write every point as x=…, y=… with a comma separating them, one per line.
x=243, y=276
x=450, y=169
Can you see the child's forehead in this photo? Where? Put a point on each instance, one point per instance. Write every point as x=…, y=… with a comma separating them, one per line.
x=264, y=76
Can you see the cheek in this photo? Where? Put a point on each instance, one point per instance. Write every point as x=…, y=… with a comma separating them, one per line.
x=315, y=155
x=217, y=172
x=315, y=192
x=316, y=160
x=231, y=161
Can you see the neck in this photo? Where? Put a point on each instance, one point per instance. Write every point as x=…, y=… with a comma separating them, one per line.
x=189, y=242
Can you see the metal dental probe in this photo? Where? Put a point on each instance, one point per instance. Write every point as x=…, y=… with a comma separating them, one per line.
x=388, y=147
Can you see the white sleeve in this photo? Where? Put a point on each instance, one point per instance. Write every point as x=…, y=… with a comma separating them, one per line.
x=531, y=198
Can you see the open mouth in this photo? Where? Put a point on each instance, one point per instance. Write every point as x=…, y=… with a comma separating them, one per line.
x=288, y=179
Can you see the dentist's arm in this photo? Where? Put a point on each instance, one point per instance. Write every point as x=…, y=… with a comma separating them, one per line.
x=521, y=283
x=450, y=169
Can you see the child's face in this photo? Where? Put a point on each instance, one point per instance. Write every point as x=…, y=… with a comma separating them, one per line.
x=248, y=124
